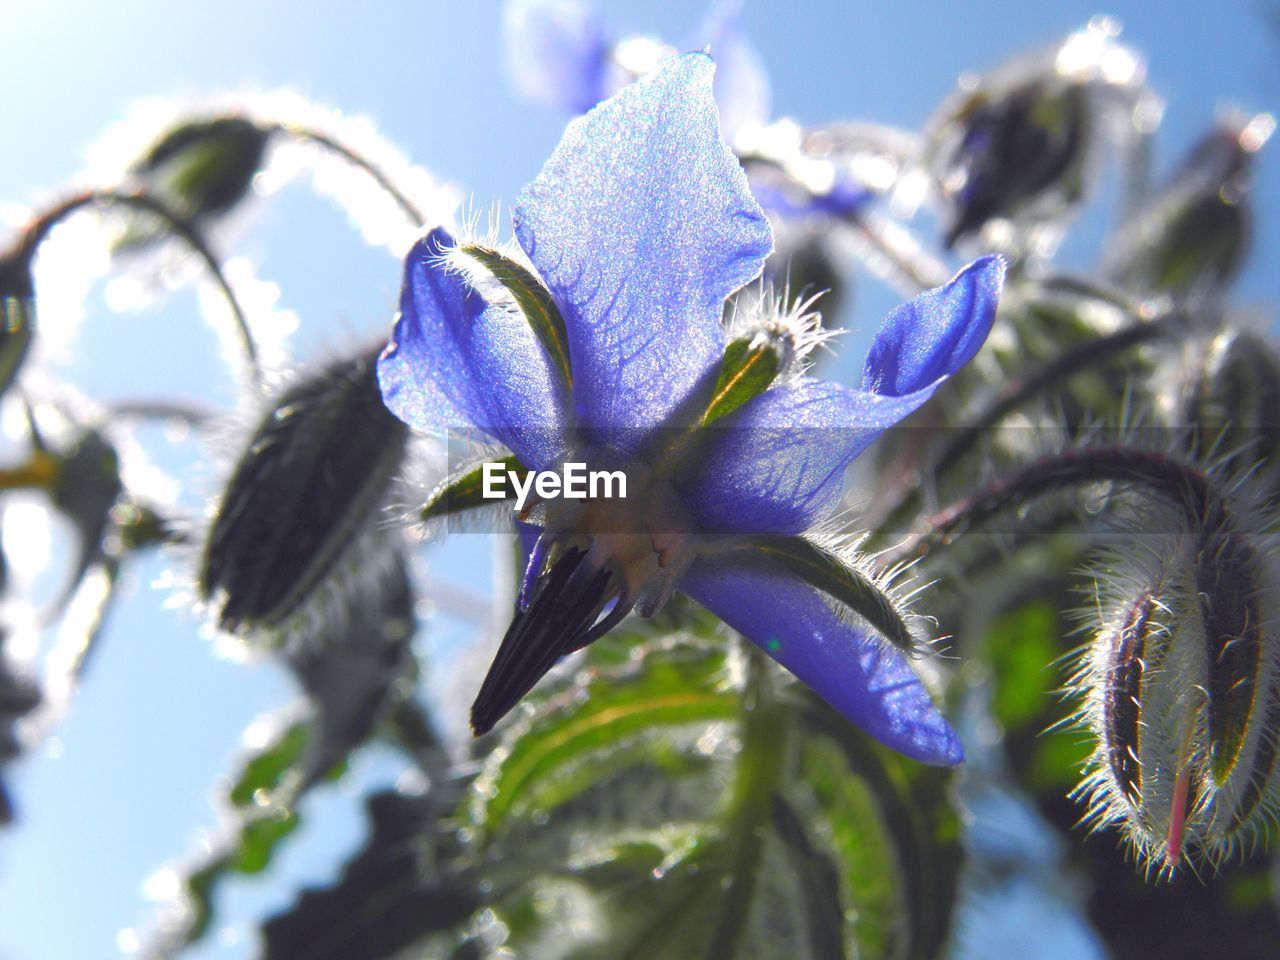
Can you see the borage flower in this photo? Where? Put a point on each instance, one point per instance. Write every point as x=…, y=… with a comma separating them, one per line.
x=641, y=226
x=559, y=55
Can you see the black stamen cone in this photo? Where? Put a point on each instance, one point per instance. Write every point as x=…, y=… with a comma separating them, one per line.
x=561, y=618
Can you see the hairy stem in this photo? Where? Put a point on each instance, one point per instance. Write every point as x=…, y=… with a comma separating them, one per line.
x=357, y=159
x=1179, y=483
x=38, y=231
x=911, y=268
x=1020, y=389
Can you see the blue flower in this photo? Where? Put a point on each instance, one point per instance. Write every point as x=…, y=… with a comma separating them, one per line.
x=559, y=55
x=641, y=226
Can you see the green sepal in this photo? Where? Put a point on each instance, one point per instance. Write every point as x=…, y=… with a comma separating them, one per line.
x=464, y=490
x=533, y=299
x=843, y=582
x=748, y=368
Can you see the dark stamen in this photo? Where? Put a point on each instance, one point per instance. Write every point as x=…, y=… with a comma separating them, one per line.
x=560, y=617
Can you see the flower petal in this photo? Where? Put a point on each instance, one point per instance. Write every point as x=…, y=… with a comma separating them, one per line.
x=742, y=85
x=642, y=224
x=931, y=336
x=557, y=53
x=454, y=360
x=870, y=683
x=777, y=463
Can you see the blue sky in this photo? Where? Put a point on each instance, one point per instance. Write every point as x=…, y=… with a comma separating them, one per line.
x=161, y=716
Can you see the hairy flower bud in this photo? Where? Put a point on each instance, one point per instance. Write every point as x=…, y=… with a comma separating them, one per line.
x=202, y=168
x=1180, y=693
x=301, y=500
x=1018, y=142
x=1008, y=149
x=1190, y=237
x=351, y=676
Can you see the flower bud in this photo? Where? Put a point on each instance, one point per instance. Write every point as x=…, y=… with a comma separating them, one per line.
x=1190, y=238
x=351, y=674
x=202, y=168
x=1008, y=150
x=1234, y=404
x=17, y=315
x=1018, y=143
x=1180, y=693
x=85, y=488
x=302, y=499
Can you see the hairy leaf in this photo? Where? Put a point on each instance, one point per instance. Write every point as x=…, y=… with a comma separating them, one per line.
x=678, y=802
x=386, y=898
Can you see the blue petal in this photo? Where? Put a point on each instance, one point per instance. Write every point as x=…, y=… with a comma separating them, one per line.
x=534, y=544
x=742, y=83
x=933, y=335
x=557, y=53
x=777, y=464
x=870, y=683
x=642, y=224
x=454, y=361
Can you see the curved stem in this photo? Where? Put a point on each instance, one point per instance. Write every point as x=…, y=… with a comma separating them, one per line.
x=188, y=413
x=851, y=137
x=914, y=270
x=41, y=472
x=1020, y=389
x=335, y=146
x=1177, y=482
x=38, y=231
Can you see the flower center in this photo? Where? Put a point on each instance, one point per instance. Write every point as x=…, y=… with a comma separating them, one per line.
x=643, y=540
x=593, y=563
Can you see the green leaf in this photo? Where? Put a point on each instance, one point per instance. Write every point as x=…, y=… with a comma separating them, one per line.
x=263, y=772
x=848, y=584
x=248, y=851
x=533, y=299
x=674, y=802
x=747, y=369
x=261, y=824
x=386, y=897
x=464, y=490
x=922, y=828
